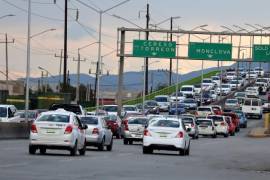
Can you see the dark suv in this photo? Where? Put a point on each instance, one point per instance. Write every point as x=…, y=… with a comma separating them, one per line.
x=75, y=108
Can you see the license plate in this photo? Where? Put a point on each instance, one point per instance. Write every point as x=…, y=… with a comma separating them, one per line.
x=49, y=131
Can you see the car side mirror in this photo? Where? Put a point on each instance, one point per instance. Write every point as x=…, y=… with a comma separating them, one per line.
x=85, y=126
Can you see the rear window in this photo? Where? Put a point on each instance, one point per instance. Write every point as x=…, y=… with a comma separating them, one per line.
x=207, y=81
x=110, y=118
x=187, y=120
x=89, y=120
x=204, y=122
x=129, y=108
x=216, y=118
x=54, y=118
x=71, y=108
x=232, y=101
x=161, y=99
x=204, y=109
x=166, y=123
x=141, y=121
x=247, y=103
x=110, y=108
x=186, y=89
x=255, y=103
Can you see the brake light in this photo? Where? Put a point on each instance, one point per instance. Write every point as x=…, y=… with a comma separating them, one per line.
x=95, y=131
x=126, y=125
x=33, y=128
x=180, y=135
x=68, y=129
x=146, y=133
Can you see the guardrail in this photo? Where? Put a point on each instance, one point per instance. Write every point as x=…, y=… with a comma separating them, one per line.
x=10, y=130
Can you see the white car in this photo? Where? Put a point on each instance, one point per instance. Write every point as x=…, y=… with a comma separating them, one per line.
x=216, y=80
x=221, y=124
x=8, y=113
x=207, y=84
x=110, y=109
x=225, y=89
x=188, y=90
x=130, y=109
x=259, y=71
x=252, y=75
x=98, y=133
x=207, y=127
x=252, y=107
x=163, y=102
x=204, y=111
x=58, y=129
x=252, y=92
x=198, y=89
x=234, y=84
x=230, y=76
x=189, y=121
x=232, y=104
x=166, y=134
x=241, y=81
x=180, y=97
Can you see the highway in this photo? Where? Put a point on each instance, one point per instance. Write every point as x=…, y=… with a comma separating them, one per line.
x=238, y=157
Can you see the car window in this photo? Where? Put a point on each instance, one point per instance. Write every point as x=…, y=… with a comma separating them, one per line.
x=110, y=118
x=204, y=109
x=247, y=102
x=216, y=118
x=186, y=89
x=141, y=121
x=204, y=122
x=71, y=108
x=54, y=118
x=110, y=108
x=89, y=120
x=232, y=101
x=161, y=99
x=129, y=108
x=166, y=123
x=187, y=120
x=3, y=112
x=255, y=103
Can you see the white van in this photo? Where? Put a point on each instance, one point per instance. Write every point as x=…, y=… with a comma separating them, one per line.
x=7, y=113
x=252, y=107
x=188, y=90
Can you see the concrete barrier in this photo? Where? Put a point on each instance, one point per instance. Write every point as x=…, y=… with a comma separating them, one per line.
x=14, y=130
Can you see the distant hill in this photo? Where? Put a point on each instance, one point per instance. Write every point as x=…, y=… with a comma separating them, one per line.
x=133, y=81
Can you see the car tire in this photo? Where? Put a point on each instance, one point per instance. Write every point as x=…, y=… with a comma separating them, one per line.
x=125, y=141
x=214, y=136
x=260, y=117
x=42, y=150
x=232, y=134
x=237, y=129
x=245, y=125
x=109, y=147
x=182, y=152
x=32, y=149
x=74, y=150
x=187, y=152
x=83, y=150
x=101, y=145
x=226, y=135
x=130, y=142
x=147, y=150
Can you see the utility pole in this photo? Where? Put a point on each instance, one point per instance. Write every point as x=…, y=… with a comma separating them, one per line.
x=60, y=67
x=77, y=99
x=6, y=44
x=171, y=36
x=146, y=59
x=65, y=48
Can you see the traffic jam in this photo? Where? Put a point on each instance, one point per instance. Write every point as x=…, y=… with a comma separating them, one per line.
x=218, y=107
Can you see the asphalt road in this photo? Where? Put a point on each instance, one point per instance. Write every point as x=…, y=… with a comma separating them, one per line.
x=239, y=158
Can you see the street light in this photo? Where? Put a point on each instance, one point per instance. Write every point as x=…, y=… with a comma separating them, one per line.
x=100, y=12
x=47, y=75
x=8, y=15
x=77, y=99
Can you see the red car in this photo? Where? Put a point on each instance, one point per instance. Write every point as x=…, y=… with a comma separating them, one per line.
x=114, y=122
x=217, y=110
x=235, y=120
x=231, y=125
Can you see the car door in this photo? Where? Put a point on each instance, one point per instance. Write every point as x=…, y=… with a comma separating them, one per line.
x=107, y=132
x=77, y=128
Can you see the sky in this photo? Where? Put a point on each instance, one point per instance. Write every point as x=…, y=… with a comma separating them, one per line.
x=47, y=15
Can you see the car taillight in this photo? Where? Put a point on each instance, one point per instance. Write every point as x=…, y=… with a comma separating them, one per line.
x=95, y=131
x=180, y=135
x=146, y=133
x=68, y=129
x=126, y=125
x=33, y=128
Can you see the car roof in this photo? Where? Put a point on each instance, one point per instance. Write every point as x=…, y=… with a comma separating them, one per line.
x=187, y=86
x=204, y=119
x=59, y=111
x=162, y=96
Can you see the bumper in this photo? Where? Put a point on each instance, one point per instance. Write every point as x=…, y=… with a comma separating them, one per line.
x=222, y=130
x=134, y=136
x=164, y=144
x=93, y=139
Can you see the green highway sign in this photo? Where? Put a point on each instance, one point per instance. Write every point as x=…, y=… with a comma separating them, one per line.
x=210, y=51
x=154, y=49
x=261, y=53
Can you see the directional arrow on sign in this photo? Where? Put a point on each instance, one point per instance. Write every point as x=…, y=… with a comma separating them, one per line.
x=210, y=55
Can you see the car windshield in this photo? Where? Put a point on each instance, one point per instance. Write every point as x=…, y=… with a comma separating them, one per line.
x=89, y=120
x=261, y=80
x=3, y=112
x=240, y=94
x=68, y=107
x=110, y=118
x=189, y=101
x=54, y=118
x=197, y=86
x=204, y=109
x=142, y=121
x=151, y=103
x=166, y=123
x=231, y=101
x=204, y=122
x=216, y=118
x=215, y=78
x=161, y=99
x=110, y=108
x=234, y=82
x=129, y=108
x=225, y=86
x=178, y=105
x=186, y=89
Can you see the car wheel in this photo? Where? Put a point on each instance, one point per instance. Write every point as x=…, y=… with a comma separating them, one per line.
x=214, y=136
x=125, y=141
x=42, y=150
x=237, y=129
x=188, y=150
x=101, y=145
x=147, y=150
x=32, y=149
x=226, y=135
x=233, y=134
x=181, y=152
x=109, y=147
x=260, y=117
x=82, y=151
x=130, y=142
x=245, y=125
x=73, y=150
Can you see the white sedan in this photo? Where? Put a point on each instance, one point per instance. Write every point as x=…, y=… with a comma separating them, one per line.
x=207, y=127
x=58, y=129
x=166, y=134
